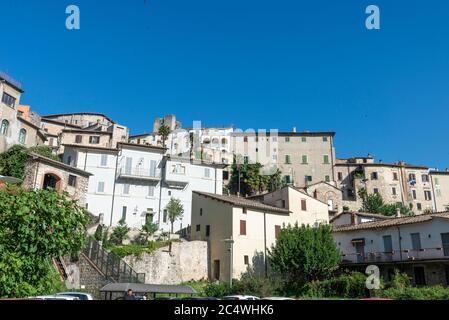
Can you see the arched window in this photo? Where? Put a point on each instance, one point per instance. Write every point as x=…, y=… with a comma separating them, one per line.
x=4, y=127
x=22, y=136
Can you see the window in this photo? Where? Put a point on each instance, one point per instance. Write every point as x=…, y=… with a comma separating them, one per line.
x=308, y=178
x=303, y=204
x=388, y=244
x=207, y=230
x=69, y=160
x=207, y=172
x=287, y=139
x=9, y=100
x=201, y=212
x=243, y=227
x=419, y=206
x=395, y=176
x=104, y=160
x=416, y=241
x=287, y=159
x=437, y=182
x=324, y=139
x=245, y=139
x=411, y=177
x=165, y=216
x=287, y=179
x=274, y=139
x=376, y=190
x=325, y=159
x=100, y=187
x=4, y=127
x=445, y=242
x=427, y=195
x=303, y=139
x=124, y=209
x=327, y=178
x=246, y=260
x=393, y=191
x=198, y=228
x=94, y=139
x=425, y=178
x=244, y=210
x=225, y=175
x=151, y=191
x=340, y=176
x=414, y=194
x=72, y=180
x=373, y=175
x=153, y=168
x=78, y=138
x=126, y=189
x=438, y=191
x=22, y=136
x=169, y=193
x=420, y=276
x=304, y=159
x=51, y=141
x=245, y=159
x=277, y=231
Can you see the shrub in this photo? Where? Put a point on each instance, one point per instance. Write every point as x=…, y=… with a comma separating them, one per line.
x=217, y=290
x=412, y=293
x=346, y=286
x=120, y=233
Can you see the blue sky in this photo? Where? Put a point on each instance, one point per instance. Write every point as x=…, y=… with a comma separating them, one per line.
x=252, y=64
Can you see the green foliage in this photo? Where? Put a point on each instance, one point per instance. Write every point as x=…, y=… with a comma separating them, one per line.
x=164, y=131
x=148, y=229
x=345, y=208
x=400, y=281
x=174, y=210
x=303, y=254
x=344, y=286
x=35, y=227
x=374, y=203
x=13, y=161
x=137, y=250
x=119, y=233
x=413, y=293
x=252, y=180
x=98, y=235
x=217, y=290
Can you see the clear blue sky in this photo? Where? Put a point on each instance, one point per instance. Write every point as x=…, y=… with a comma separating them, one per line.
x=250, y=63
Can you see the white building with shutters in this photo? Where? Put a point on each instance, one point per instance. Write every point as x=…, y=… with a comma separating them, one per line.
x=135, y=182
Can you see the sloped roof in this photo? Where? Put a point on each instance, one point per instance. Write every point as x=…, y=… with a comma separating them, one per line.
x=61, y=165
x=362, y=214
x=242, y=202
x=392, y=222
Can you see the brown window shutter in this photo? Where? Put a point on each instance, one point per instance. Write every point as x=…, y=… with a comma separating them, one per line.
x=303, y=205
x=277, y=231
x=242, y=227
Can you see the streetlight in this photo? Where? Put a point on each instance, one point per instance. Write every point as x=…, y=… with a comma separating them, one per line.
x=231, y=242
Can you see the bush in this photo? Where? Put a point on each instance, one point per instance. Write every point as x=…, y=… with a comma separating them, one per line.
x=345, y=286
x=217, y=290
x=119, y=233
x=412, y=293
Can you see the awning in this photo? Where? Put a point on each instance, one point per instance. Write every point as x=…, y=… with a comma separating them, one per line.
x=362, y=240
x=10, y=180
x=148, y=288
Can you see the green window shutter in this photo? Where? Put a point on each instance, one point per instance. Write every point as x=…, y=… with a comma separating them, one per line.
x=304, y=159
x=326, y=159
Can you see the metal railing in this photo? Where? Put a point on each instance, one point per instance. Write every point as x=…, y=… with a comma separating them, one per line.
x=138, y=172
x=397, y=256
x=111, y=264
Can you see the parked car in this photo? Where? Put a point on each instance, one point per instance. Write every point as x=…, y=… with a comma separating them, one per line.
x=277, y=298
x=200, y=298
x=240, y=297
x=80, y=295
x=56, y=297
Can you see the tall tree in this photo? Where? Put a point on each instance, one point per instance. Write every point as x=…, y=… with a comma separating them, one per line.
x=164, y=132
x=374, y=203
x=175, y=211
x=302, y=254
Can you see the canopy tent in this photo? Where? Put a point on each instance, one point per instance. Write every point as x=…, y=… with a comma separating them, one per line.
x=144, y=289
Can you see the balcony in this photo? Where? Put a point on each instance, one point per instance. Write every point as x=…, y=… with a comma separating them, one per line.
x=407, y=255
x=138, y=173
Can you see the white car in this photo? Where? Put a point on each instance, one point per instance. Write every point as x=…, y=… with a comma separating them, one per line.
x=277, y=298
x=79, y=295
x=240, y=297
x=56, y=297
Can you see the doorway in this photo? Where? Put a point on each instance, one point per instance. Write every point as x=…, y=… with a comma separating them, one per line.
x=51, y=181
x=216, y=269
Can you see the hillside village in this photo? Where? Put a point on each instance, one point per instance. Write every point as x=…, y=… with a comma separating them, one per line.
x=228, y=222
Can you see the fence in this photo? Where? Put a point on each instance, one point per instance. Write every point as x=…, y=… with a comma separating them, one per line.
x=111, y=264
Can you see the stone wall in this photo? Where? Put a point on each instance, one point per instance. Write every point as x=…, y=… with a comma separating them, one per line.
x=186, y=262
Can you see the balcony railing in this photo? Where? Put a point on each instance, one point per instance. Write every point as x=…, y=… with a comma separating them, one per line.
x=398, y=256
x=138, y=173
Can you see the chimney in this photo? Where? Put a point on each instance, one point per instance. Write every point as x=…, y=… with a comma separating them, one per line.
x=398, y=212
x=294, y=129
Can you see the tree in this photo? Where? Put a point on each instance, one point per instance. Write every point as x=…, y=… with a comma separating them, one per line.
x=119, y=233
x=164, y=131
x=302, y=254
x=374, y=203
x=13, y=161
x=174, y=210
x=148, y=229
x=35, y=227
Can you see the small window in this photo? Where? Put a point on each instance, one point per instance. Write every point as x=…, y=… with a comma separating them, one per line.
x=165, y=216
x=126, y=188
x=94, y=139
x=419, y=206
x=207, y=230
x=374, y=176
x=104, y=160
x=151, y=191
x=244, y=210
x=198, y=228
x=207, y=172
x=4, y=127
x=245, y=159
x=287, y=139
x=243, y=227
x=325, y=139
x=308, y=178
x=245, y=139
x=100, y=187
x=414, y=194
x=277, y=231
x=303, y=204
x=428, y=195
x=22, y=136
x=287, y=179
x=9, y=100
x=393, y=191
x=246, y=260
x=72, y=180
x=287, y=159
x=412, y=177
x=304, y=139
x=169, y=193
x=425, y=178
x=395, y=176
x=376, y=190
x=225, y=175
x=124, y=209
x=78, y=138
x=340, y=176
x=201, y=212
x=304, y=159
x=325, y=159
x=327, y=178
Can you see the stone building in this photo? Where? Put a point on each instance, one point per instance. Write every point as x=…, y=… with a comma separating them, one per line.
x=327, y=193
x=43, y=173
x=440, y=184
